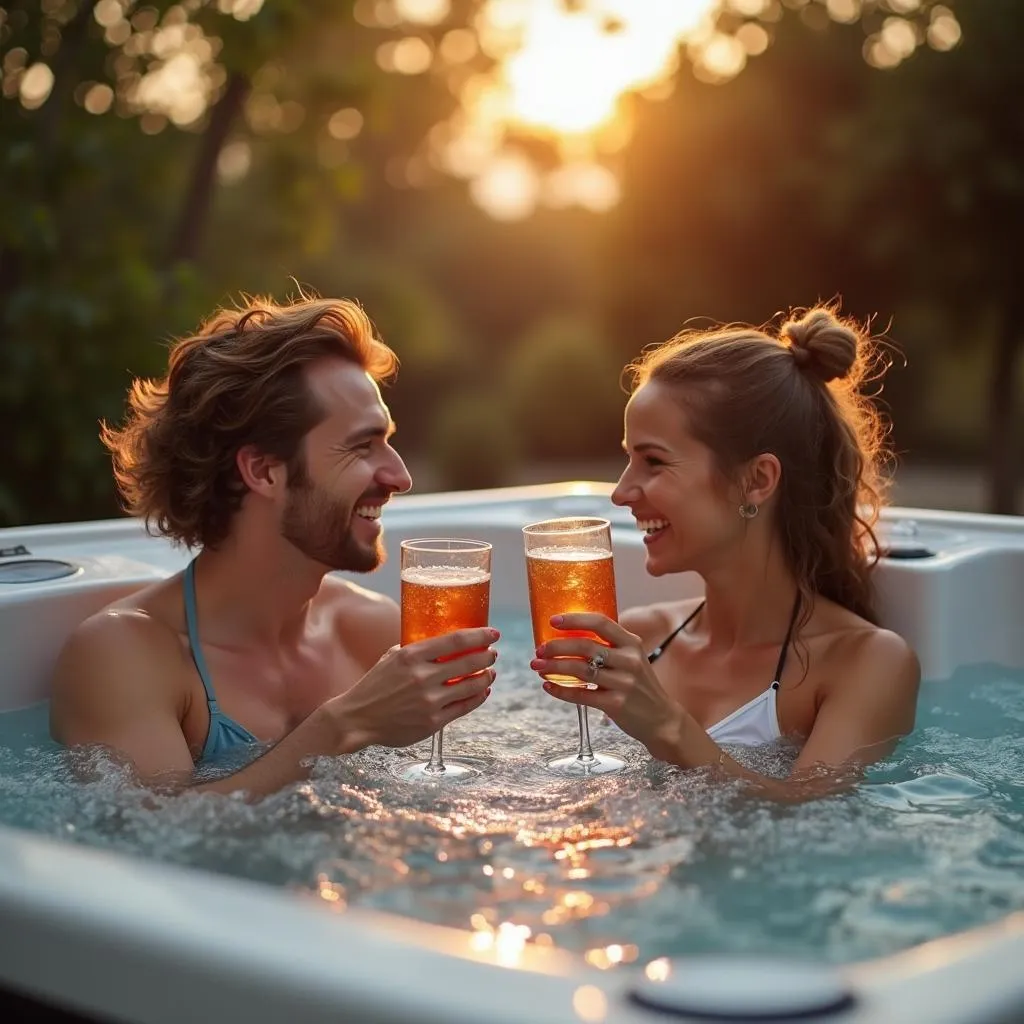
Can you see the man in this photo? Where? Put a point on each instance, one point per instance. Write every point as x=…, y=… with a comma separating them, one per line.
x=267, y=447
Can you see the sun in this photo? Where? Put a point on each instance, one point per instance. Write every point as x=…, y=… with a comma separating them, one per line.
x=560, y=71
x=576, y=62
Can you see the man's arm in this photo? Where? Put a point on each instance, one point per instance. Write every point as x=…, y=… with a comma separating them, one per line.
x=401, y=700
x=114, y=684
x=109, y=689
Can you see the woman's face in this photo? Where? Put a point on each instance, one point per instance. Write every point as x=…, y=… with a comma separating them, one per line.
x=670, y=485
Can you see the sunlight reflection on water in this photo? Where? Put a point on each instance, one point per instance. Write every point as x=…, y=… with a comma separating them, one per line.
x=652, y=862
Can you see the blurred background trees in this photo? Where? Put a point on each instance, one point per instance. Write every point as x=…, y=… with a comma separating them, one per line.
x=523, y=194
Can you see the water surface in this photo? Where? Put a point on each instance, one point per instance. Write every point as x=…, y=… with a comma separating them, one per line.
x=657, y=861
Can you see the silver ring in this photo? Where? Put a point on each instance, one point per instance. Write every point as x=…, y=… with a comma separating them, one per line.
x=597, y=662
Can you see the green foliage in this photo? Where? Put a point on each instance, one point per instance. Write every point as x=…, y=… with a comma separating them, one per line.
x=806, y=177
x=563, y=391
x=89, y=206
x=416, y=324
x=472, y=444
x=931, y=178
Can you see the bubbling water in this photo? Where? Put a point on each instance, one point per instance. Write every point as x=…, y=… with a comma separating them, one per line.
x=656, y=861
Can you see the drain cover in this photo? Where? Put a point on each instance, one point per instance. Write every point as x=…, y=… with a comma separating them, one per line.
x=35, y=570
x=742, y=989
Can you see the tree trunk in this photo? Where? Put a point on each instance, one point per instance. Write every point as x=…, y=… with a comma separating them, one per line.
x=189, y=232
x=74, y=38
x=1003, y=449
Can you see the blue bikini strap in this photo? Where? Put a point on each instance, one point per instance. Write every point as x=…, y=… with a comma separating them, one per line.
x=191, y=624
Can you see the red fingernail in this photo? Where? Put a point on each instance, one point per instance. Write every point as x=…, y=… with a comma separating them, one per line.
x=556, y=621
x=494, y=633
x=488, y=692
x=535, y=663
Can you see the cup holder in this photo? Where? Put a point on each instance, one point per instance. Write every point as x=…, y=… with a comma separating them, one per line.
x=910, y=540
x=36, y=570
x=908, y=552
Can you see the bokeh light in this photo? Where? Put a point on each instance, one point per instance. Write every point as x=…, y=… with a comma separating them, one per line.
x=522, y=71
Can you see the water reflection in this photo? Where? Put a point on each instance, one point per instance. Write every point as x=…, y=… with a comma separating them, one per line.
x=655, y=862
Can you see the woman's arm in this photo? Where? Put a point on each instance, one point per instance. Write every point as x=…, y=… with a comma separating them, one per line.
x=869, y=703
x=867, y=707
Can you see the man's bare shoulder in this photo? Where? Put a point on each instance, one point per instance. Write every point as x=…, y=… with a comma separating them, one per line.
x=124, y=621
x=368, y=622
x=355, y=602
x=118, y=683
x=159, y=602
x=108, y=654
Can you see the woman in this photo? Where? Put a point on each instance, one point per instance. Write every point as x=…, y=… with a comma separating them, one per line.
x=753, y=461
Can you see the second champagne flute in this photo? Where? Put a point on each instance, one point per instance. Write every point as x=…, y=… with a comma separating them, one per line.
x=569, y=568
x=446, y=585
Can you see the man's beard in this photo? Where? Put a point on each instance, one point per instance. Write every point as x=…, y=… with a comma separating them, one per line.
x=321, y=528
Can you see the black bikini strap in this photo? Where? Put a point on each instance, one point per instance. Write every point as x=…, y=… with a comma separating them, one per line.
x=777, y=678
x=659, y=650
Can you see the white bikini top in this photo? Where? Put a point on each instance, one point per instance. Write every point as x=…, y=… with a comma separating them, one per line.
x=757, y=721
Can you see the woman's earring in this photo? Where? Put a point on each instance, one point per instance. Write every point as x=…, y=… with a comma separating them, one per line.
x=748, y=510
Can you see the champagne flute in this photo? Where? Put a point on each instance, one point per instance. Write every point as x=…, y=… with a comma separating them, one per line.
x=446, y=585
x=569, y=568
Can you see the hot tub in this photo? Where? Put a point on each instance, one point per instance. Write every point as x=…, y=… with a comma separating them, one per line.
x=114, y=937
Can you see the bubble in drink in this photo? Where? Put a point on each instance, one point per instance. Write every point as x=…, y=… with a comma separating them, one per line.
x=438, y=599
x=569, y=580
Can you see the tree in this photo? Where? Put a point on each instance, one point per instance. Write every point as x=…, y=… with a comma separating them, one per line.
x=805, y=178
x=931, y=176
x=280, y=146
x=115, y=122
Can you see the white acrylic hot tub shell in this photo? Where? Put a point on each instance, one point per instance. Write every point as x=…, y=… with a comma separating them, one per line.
x=127, y=940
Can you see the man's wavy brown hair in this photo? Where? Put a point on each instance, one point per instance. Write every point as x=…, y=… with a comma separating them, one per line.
x=239, y=381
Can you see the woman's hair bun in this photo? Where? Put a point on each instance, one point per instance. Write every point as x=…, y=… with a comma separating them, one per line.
x=822, y=345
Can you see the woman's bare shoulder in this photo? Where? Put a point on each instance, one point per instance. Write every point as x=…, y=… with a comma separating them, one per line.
x=653, y=622
x=857, y=649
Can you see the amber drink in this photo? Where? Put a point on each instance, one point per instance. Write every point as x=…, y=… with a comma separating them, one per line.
x=569, y=568
x=437, y=599
x=565, y=579
x=446, y=586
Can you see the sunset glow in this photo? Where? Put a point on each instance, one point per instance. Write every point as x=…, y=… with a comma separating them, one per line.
x=559, y=71
x=573, y=67
x=562, y=71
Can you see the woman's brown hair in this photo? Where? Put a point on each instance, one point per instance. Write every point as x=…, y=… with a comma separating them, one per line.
x=238, y=381
x=798, y=396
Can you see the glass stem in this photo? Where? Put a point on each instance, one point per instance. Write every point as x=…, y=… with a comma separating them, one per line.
x=586, y=754
x=436, y=763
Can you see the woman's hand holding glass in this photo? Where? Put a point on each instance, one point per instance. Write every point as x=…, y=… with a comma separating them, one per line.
x=570, y=567
x=627, y=690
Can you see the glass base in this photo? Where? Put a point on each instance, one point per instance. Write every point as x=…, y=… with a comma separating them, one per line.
x=576, y=767
x=454, y=770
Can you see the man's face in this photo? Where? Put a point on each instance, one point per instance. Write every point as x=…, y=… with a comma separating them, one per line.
x=346, y=471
